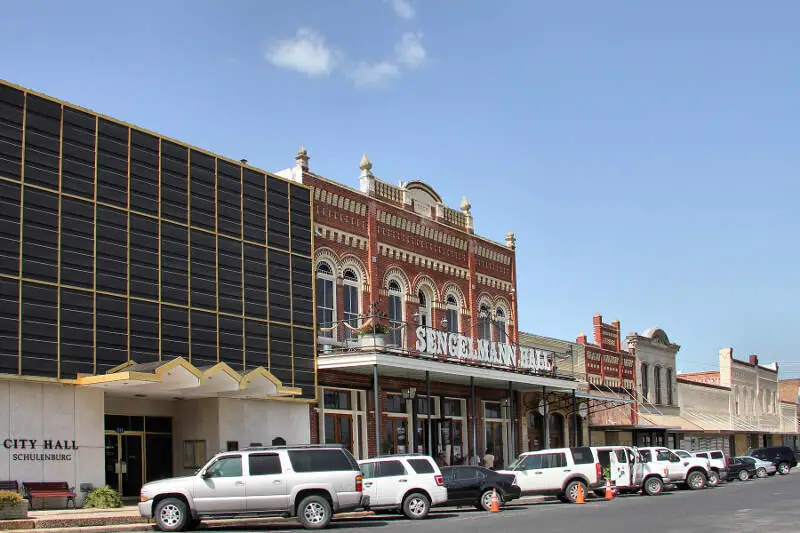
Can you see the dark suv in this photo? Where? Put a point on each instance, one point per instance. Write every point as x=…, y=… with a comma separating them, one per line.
x=782, y=456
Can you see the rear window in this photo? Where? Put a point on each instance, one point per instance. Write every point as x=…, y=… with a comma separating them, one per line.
x=716, y=455
x=390, y=468
x=264, y=464
x=421, y=466
x=703, y=455
x=582, y=456
x=322, y=461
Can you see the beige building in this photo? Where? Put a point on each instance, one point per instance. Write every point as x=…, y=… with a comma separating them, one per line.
x=738, y=405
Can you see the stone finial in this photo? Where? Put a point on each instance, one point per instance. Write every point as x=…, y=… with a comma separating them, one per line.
x=465, y=205
x=366, y=164
x=301, y=159
x=367, y=179
x=511, y=240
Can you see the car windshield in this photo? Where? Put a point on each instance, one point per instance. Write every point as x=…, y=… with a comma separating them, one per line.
x=515, y=465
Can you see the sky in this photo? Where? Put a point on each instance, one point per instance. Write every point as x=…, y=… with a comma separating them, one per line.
x=646, y=154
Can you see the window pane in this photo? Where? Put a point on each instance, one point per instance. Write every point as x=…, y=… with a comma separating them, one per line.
x=421, y=466
x=226, y=467
x=264, y=465
x=391, y=468
x=582, y=456
x=321, y=461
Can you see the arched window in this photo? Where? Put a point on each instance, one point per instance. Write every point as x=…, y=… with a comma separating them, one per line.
x=351, y=301
x=452, y=314
x=325, y=299
x=424, y=309
x=657, y=383
x=395, y=313
x=500, y=317
x=645, y=383
x=669, y=386
x=484, y=323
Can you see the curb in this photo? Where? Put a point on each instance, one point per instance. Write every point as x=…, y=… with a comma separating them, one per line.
x=141, y=524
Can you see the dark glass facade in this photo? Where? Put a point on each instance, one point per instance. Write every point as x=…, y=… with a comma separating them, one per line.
x=119, y=245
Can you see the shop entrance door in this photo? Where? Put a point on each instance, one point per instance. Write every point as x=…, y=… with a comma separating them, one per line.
x=124, y=464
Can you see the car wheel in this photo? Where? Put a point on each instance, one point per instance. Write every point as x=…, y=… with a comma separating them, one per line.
x=653, y=486
x=761, y=472
x=696, y=480
x=416, y=506
x=713, y=478
x=571, y=492
x=784, y=468
x=314, y=512
x=486, y=500
x=172, y=514
x=743, y=475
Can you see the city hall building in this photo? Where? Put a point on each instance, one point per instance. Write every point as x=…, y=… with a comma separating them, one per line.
x=417, y=326
x=156, y=300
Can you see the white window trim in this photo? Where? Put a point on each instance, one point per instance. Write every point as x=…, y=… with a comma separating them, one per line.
x=360, y=441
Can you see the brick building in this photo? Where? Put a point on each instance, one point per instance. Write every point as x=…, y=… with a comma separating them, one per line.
x=417, y=314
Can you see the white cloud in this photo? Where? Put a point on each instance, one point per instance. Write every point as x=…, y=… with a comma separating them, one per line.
x=403, y=8
x=410, y=51
x=307, y=52
x=371, y=75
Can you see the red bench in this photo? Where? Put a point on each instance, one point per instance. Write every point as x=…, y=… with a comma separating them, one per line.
x=49, y=489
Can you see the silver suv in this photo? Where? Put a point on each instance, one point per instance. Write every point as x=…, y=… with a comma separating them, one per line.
x=308, y=482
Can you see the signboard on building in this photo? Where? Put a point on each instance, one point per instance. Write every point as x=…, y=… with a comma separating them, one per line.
x=457, y=347
x=40, y=450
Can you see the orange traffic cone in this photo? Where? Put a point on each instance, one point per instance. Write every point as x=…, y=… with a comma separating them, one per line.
x=579, y=497
x=494, y=507
x=609, y=490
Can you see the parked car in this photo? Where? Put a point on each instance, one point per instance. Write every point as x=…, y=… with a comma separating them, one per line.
x=741, y=470
x=474, y=485
x=557, y=472
x=629, y=472
x=686, y=472
x=781, y=456
x=718, y=462
x=308, y=482
x=410, y=484
x=763, y=468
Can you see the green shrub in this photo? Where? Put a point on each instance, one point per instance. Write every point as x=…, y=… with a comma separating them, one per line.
x=8, y=497
x=103, y=498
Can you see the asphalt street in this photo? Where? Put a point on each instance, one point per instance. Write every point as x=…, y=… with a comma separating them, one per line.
x=770, y=504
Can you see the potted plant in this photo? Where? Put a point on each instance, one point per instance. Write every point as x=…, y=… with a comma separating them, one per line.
x=103, y=498
x=12, y=506
x=373, y=336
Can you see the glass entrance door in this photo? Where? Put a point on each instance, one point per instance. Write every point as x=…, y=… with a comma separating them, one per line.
x=124, y=465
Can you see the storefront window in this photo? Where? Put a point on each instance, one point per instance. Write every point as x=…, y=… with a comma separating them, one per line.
x=452, y=407
x=325, y=299
x=492, y=410
x=339, y=430
x=396, y=436
x=395, y=404
x=337, y=399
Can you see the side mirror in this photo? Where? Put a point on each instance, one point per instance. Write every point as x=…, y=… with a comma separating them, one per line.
x=205, y=474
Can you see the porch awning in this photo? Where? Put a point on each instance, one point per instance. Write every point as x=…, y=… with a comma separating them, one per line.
x=671, y=422
x=414, y=369
x=177, y=378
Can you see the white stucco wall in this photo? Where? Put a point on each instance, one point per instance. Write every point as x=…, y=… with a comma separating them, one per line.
x=249, y=421
x=44, y=411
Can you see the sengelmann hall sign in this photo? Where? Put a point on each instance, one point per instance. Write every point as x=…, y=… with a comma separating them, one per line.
x=457, y=346
x=40, y=450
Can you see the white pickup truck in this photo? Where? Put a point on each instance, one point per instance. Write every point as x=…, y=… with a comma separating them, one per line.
x=629, y=471
x=686, y=472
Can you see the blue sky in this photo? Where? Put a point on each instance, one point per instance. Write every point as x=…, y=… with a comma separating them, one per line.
x=646, y=154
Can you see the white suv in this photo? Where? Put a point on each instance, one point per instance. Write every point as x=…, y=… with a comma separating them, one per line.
x=411, y=484
x=558, y=472
x=686, y=472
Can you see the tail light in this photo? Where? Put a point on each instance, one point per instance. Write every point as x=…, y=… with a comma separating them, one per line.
x=439, y=481
x=359, y=483
x=599, y=468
